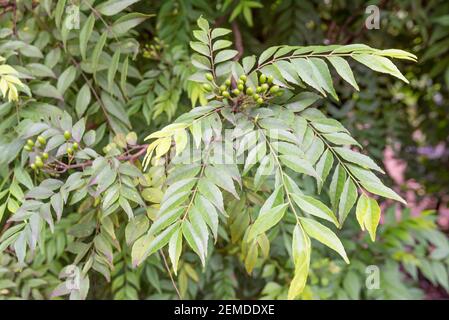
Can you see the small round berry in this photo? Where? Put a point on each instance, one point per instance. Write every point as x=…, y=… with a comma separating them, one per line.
x=243, y=77
x=27, y=148
x=69, y=150
x=67, y=135
x=75, y=146
x=41, y=140
x=207, y=87
x=259, y=89
x=228, y=82
x=236, y=92
x=223, y=87
x=249, y=91
x=225, y=94
x=45, y=155
x=256, y=96
x=209, y=76
x=33, y=166
x=265, y=87
x=38, y=162
x=274, y=89
x=30, y=143
x=240, y=87
x=262, y=78
x=259, y=101
x=270, y=79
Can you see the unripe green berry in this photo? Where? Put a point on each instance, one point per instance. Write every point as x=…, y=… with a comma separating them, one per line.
x=274, y=89
x=45, y=155
x=228, y=82
x=30, y=142
x=222, y=87
x=265, y=87
x=236, y=92
x=259, y=101
x=243, y=77
x=249, y=91
x=75, y=146
x=27, y=148
x=33, y=166
x=256, y=96
x=240, y=87
x=262, y=78
x=39, y=164
x=69, y=150
x=225, y=94
x=207, y=87
x=209, y=76
x=67, y=135
x=41, y=140
x=270, y=79
x=258, y=89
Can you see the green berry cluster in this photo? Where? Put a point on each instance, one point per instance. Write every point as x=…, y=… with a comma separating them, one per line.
x=153, y=51
x=37, y=146
x=261, y=93
x=74, y=147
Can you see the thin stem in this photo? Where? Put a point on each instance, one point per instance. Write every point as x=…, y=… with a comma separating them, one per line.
x=238, y=40
x=98, y=15
x=336, y=156
x=280, y=171
x=169, y=273
x=211, y=57
x=320, y=55
x=203, y=167
x=92, y=89
x=124, y=157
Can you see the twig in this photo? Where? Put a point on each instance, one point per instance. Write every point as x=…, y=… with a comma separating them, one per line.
x=169, y=273
x=6, y=227
x=94, y=92
x=14, y=18
x=238, y=40
x=124, y=157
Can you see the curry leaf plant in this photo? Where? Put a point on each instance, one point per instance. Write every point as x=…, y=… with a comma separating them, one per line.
x=260, y=140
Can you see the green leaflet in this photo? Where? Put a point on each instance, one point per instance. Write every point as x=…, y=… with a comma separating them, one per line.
x=379, y=64
x=323, y=168
x=299, y=165
x=324, y=235
x=195, y=240
x=301, y=251
x=358, y=158
x=174, y=248
x=148, y=244
x=336, y=186
x=85, y=34
x=112, y=7
x=344, y=70
x=381, y=190
x=315, y=207
x=348, y=198
x=266, y=221
x=368, y=214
